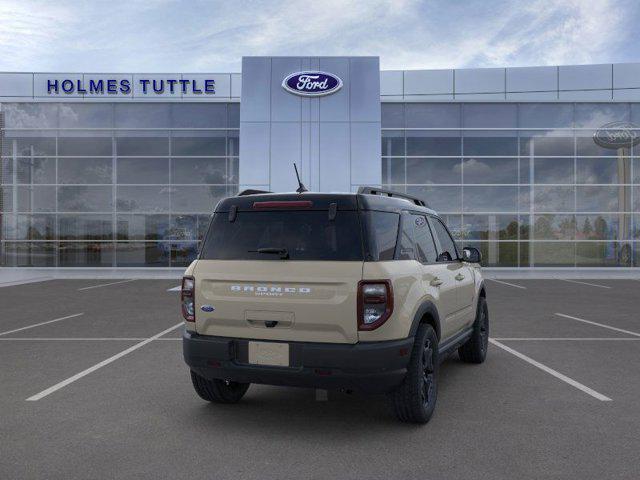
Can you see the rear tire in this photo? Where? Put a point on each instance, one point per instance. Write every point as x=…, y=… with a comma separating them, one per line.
x=415, y=400
x=475, y=349
x=218, y=391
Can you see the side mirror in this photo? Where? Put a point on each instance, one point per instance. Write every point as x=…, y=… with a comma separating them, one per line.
x=471, y=255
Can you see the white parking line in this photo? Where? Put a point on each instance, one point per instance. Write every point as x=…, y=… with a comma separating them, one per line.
x=41, y=323
x=175, y=289
x=629, y=332
x=551, y=371
x=107, y=284
x=507, y=283
x=549, y=339
x=97, y=366
x=584, y=283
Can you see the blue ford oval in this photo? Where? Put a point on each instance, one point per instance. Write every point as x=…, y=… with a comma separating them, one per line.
x=312, y=83
x=207, y=308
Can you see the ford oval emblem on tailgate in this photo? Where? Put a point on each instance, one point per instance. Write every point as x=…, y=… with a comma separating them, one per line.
x=207, y=308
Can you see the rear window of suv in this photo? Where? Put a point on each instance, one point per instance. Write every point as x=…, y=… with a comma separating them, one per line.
x=304, y=234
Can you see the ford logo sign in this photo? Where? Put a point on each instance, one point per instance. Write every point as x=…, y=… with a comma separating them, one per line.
x=617, y=135
x=312, y=83
x=207, y=308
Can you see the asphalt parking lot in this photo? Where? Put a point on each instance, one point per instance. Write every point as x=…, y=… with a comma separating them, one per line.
x=93, y=385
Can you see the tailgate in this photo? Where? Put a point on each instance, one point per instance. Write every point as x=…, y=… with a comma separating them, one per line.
x=302, y=301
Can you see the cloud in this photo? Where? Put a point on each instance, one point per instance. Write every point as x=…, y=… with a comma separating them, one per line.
x=171, y=36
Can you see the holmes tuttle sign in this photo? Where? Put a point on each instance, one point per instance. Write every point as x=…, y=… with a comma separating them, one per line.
x=312, y=83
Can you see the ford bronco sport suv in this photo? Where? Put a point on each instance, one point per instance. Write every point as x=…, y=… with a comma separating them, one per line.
x=359, y=292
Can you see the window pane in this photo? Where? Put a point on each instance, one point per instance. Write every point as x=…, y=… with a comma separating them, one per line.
x=392, y=143
x=85, y=170
x=183, y=227
x=425, y=247
x=203, y=225
x=93, y=146
x=142, y=115
x=488, y=115
x=392, y=115
x=603, y=254
x=85, y=199
x=80, y=254
x=142, y=146
x=490, y=199
x=490, y=170
x=393, y=171
x=138, y=254
x=143, y=199
x=199, y=115
x=196, y=199
x=29, y=146
x=93, y=115
x=382, y=232
x=435, y=143
x=142, y=227
x=434, y=170
x=553, y=170
x=603, y=170
x=497, y=254
x=604, y=227
x=554, y=199
x=491, y=144
x=553, y=254
x=200, y=170
x=598, y=114
x=30, y=115
x=233, y=114
x=233, y=143
x=142, y=170
x=545, y=115
x=432, y=115
x=36, y=170
x=36, y=199
x=554, y=227
x=406, y=249
x=85, y=227
x=602, y=199
x=585, y=145
x=6, y=199
x=183, y=253
x=490, y=227
x=441, y=199
x=546, y=144
x=36, y=227
x=40, y=254
x=211, y=145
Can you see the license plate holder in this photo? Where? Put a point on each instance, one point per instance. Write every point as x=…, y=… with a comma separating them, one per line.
x=274, y=354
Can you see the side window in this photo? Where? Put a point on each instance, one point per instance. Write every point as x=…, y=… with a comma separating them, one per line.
x=383, y=233
x=406, y=250
x=425, y=248
x=447, y=248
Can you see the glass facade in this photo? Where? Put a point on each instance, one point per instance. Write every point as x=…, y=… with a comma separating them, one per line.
x=118, y=184
x=524, y=182
x=113, y=184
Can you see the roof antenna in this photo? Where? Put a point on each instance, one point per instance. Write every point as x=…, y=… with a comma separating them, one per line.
x=301, y=188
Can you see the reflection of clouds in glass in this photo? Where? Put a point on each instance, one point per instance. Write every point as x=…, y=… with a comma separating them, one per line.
x=20, y=115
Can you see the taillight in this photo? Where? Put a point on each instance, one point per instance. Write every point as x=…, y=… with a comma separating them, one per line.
x=187, y=299
x=375, y=303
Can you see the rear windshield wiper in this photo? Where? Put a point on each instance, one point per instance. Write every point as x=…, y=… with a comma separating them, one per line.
x=284, y=254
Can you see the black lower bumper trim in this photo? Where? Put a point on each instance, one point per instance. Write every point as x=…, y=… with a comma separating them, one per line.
x=372, y=367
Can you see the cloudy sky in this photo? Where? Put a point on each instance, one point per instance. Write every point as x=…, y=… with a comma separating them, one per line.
x=211, y=36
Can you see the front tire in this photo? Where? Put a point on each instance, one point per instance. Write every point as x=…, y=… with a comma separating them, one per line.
x=218, y=391
x=415, y=400
x=475, y=349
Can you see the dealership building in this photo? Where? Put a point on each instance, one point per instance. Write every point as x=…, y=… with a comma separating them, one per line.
x=535, y=166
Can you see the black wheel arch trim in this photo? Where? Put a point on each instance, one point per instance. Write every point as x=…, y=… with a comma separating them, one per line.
x=427, y=307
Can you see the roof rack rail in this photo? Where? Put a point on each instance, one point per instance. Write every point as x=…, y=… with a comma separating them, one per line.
x=391, y=193
x=251, y=191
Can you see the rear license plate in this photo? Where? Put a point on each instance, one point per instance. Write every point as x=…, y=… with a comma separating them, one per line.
x=269, y=353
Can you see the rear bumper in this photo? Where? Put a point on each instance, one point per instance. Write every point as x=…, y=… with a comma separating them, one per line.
x=372, y=367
